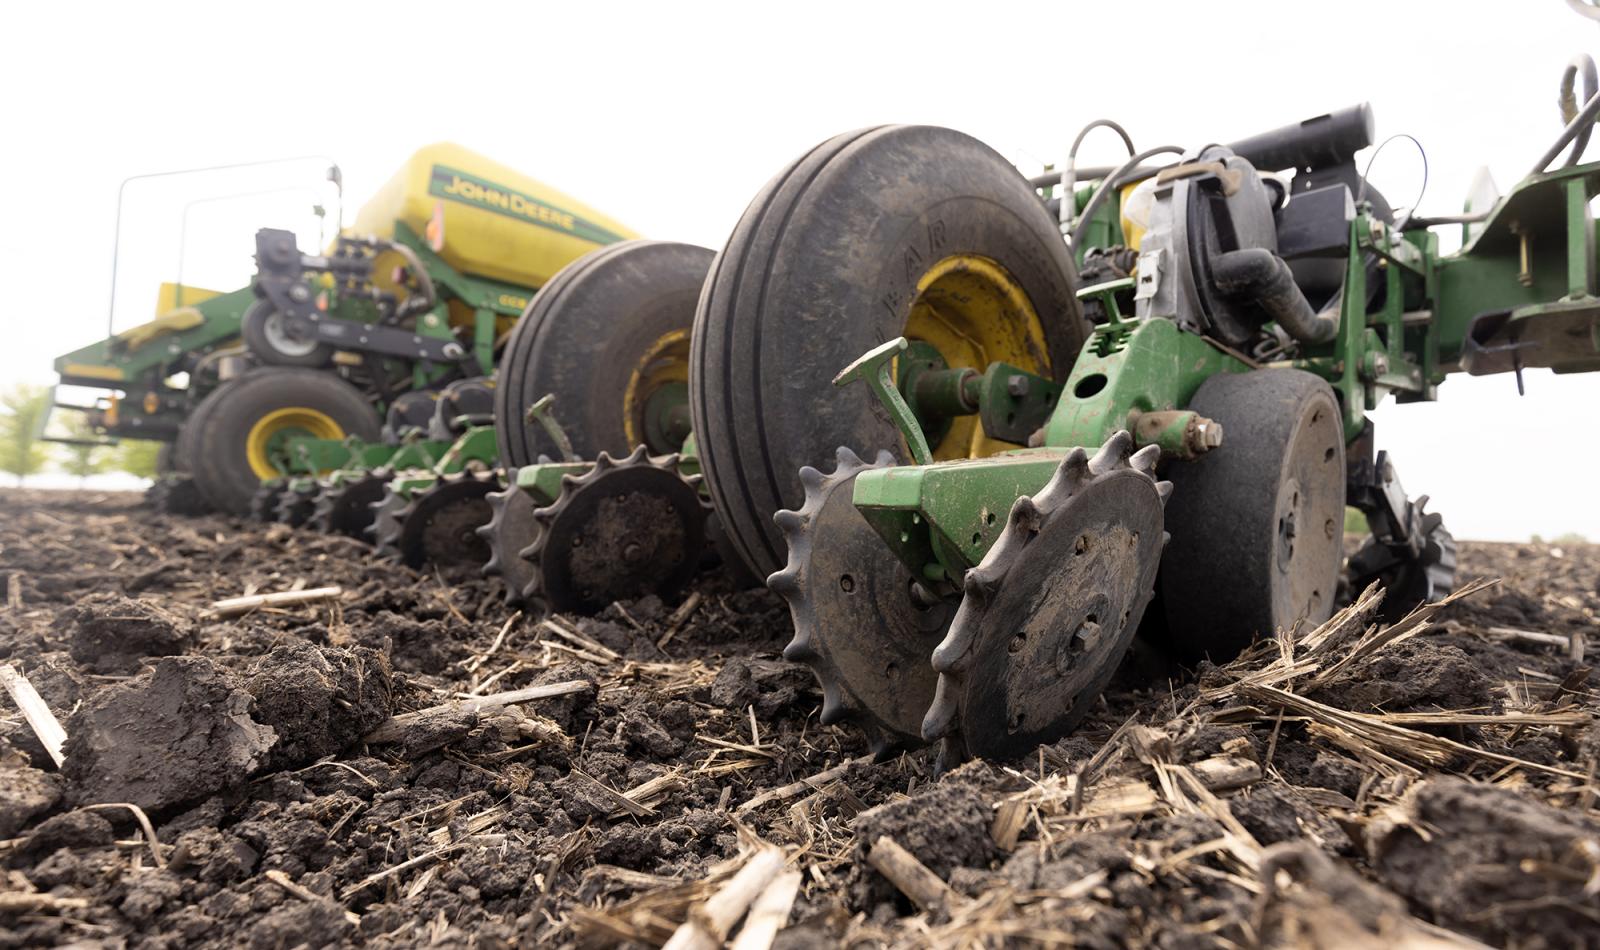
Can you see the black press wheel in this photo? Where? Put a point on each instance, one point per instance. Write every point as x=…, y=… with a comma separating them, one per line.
x=899, y=230
x=1257, y=524
x=608, y=336
x=270, y=339
x=239, y=435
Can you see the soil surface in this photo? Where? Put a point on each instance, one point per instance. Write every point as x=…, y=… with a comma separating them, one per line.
x=321, y=774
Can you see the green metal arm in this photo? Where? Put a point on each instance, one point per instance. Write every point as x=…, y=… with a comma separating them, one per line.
x=876, y=367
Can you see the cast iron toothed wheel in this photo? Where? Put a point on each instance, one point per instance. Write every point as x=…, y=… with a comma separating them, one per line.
x=264, y=500
x=176, y=494
x=347, y=508
x=439, y=526
x=909, y=231
x=1048, y=614
x=269, y=339
x=296, y=504
x=626, y=528
x=239, y=435
x=862, y=623
x=608, y=336
x=511, y=529
x=1257, y=524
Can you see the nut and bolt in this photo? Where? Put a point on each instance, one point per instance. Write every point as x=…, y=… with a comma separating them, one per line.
x=1017, y=385
x=1203, y=435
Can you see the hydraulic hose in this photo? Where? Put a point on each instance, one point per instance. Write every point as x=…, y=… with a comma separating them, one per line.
x=1260, y=275
x=1069, y=174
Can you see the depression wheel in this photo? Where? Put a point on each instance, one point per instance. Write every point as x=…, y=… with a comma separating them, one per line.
x=1257, y=524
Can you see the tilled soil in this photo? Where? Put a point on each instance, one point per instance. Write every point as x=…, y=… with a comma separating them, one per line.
x=1359, y=787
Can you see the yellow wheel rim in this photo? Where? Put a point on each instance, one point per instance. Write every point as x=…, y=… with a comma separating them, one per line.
x=666, y=362
x=268, y=439
x=974, y=313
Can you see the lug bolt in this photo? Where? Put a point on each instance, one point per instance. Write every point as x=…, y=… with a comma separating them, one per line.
x=1087, y=636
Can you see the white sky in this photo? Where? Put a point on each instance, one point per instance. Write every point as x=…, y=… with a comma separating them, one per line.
x=670, y=116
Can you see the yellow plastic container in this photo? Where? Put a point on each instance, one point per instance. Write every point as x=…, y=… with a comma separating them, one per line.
x=497, y=223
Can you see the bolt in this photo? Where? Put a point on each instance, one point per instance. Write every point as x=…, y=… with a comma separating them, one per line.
x=298, y=293
x=632, y=553
x=1087, y=636
x=1203, y=435
x=1015, y=646
x=1017, y=385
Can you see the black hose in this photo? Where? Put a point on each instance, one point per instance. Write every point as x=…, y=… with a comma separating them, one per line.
x=1260, y=275
x=1069, y=174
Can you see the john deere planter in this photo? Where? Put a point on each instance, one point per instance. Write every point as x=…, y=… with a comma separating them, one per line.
x=418, y=292
x=1148, y=419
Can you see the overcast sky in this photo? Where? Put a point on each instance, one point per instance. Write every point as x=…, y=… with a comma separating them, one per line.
x=670, y=117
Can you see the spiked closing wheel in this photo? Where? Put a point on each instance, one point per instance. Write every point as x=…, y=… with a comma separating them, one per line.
x=1408, y=582
x=1048, y=614
x=385, y=528
x=264, y=503
x=346, y=508
x=512, y=528
x=439, y=525
x=296, y=503
x=861, y=622
x=620, y=531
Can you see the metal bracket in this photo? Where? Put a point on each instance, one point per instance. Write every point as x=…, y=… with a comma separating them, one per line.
x=875, y=367
x=540, y=412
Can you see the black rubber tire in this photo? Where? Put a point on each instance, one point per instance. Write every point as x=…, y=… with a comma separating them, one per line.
x=467, y=401
x=257, y=339
x=409, y=413
x=1222, y=584
x=581, y=338
x=821, y=268
x=222, y=421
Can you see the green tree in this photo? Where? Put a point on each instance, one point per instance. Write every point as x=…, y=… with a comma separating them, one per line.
x=141, y=457
x=87, y=455
x=22, y=412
